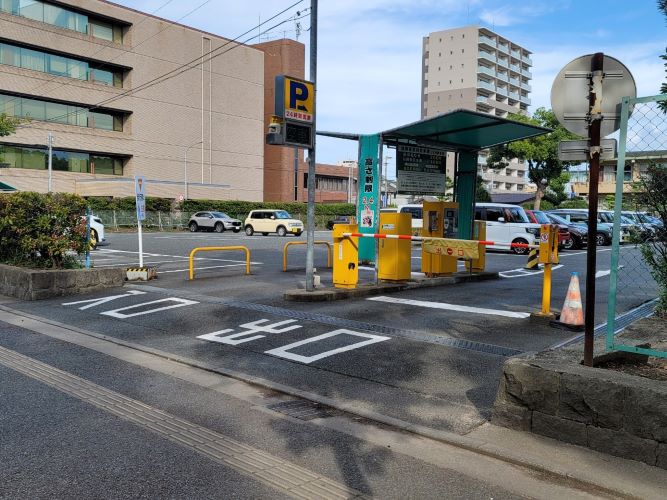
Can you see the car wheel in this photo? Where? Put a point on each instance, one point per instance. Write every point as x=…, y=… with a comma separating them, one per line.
x=568, y=244
x=281, y=231
x=236, y=229
x=219, y=227
x=94, y=239
x=193, y=227
x=265, y=234
x=520, y=250
x=298, y=234
x=600, y=239
x=249, y=231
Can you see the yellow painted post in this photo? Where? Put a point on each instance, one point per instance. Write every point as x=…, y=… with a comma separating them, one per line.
x=346, y=256
x=395, y=255
x=546, y=291
x=216, y=249
x=548, y=239
x=288, y=244
x=479, y=234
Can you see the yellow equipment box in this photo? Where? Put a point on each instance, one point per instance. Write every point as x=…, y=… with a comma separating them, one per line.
x=440, y=221
x=346, y=256
x=395, y=256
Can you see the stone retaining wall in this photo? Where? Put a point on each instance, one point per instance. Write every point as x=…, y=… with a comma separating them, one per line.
x=31, y=284
x=608, y=411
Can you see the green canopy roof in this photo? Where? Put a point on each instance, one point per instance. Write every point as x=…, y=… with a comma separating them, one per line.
x=6, y=187
x=462, y=130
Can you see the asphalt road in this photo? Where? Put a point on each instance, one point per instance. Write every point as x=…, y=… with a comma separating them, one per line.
x=429, y=356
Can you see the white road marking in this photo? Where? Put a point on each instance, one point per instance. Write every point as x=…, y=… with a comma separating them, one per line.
x=606, y=272
x=207, y=267
x=251, y=328
x=178, y=303
x=283, y=352
x=185, y=258
x=450, y=307
x=520, y=272
x=103, y=300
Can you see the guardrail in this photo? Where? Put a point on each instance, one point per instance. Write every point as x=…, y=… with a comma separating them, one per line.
x=217, y=249
x=329, y=251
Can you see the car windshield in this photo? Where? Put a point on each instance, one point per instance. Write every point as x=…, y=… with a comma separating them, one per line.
x=282, y=214
x=541, y=217
x=517, y=215
x=220, y=215
x=557, y=219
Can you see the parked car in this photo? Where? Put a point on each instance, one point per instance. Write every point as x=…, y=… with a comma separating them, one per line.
x=213, y=221
x=646, y=230
x=507, y=224
x=97, y=236
x=417, y=211
x=540, y=217
x=272, y=221
x=603, y=232
x=629, y=231
x=578, y=232
x=340, y=219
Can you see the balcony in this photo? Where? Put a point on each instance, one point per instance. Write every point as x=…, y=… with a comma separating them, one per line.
x=525, y=99
x=514, y=95
x=515, y=53
x=502, y=91
x=487, y=41
x=515, y=68
x=504, y=47
x=486, y=55
x=487, y=71
x=526, y=73
x=526, y=86
x=527, y=60
x=515, y=81
x=486, y=85
x=482, y=100
x=503, y=62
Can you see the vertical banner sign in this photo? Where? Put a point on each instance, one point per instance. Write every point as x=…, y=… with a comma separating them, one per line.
x=140, y=199
x=367, y=199
x=140, y=196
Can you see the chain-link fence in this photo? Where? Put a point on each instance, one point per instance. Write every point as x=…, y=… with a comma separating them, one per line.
x=118, y=220
x=639, y=252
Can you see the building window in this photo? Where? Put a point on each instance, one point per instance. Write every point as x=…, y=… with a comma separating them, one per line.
x=463, y=51
x=627, y=172
x=67, y=114
x=63, y=18
x=65, y=161
x=22, y=57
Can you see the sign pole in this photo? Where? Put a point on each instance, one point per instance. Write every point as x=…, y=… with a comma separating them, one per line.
x=595, y=120
x=310, y=230
x=140, y=201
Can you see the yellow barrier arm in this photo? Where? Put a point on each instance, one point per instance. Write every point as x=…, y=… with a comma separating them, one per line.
x=217, y=249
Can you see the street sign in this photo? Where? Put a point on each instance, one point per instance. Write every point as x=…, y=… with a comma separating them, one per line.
x=572, y=86
x=578, y=150
x=140, y=196
x=420, y=170
x=294, y=113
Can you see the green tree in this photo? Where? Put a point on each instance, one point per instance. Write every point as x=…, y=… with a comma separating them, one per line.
x=481, y=194
x=540, y=153
x=8, y=124
x=555, y=192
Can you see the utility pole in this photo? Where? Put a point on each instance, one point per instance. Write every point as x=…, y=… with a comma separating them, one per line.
x=50, y=139
x=310, y=231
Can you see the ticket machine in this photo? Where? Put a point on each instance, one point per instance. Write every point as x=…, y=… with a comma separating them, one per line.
x=441, y=220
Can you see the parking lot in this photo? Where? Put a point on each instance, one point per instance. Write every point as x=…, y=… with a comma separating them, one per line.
x=428, y=356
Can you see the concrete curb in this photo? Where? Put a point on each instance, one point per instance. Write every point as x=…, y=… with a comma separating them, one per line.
x=513, y=455
x=330, y=294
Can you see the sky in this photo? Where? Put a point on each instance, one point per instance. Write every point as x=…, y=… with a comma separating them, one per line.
x=369, y=51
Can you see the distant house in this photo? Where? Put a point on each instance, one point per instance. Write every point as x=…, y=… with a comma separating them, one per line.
x=512, y=198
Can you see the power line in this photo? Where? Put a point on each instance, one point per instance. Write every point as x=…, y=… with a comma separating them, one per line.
x=193, y=64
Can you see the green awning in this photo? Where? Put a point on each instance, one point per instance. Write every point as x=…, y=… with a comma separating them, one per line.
x=462, y=130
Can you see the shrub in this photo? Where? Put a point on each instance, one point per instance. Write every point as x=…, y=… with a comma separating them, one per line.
x=654, y=197
x=574, y=203
x=38, y=230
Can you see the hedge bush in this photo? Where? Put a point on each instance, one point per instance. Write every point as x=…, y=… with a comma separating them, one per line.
x=38, y=230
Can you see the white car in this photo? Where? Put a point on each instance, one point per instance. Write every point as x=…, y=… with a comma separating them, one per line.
x=272, y=221
x=507, y=224
x=97, y=236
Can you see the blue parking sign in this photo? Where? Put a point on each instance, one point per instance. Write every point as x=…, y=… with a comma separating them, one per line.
x=140, y=195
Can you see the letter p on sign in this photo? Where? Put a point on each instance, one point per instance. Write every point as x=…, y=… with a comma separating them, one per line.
x=299, y=100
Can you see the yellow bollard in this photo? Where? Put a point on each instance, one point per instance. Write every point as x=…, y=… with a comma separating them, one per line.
x=216, y=249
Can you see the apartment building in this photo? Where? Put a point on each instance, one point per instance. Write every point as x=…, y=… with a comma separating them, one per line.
x=477, y=69
x=636, y=167
x=90, y=73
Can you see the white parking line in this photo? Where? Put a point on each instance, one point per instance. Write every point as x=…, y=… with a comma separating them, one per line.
x=184, y=258
x=450, y=307
x=520, y=272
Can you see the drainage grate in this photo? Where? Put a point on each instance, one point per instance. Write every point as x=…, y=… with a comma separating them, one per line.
x=430, y=338
x=621, y=323
x=304, y=410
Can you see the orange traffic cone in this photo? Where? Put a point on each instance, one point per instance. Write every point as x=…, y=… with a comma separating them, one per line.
x=572, y=314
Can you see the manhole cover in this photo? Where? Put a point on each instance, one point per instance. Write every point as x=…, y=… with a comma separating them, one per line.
x=303, y=410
